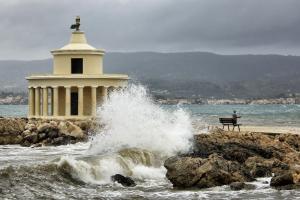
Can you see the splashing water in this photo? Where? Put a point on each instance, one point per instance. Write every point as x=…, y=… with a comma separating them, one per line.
x=133, y=120
x=138, y=135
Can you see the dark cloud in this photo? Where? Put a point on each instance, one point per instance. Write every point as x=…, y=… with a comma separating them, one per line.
x=29, y=29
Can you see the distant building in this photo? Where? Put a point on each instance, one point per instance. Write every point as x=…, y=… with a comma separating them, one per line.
x=77, y=85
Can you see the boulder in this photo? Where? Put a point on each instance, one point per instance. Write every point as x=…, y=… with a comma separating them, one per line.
x=282, y=180
x=53, y=123
x=259, y=167
x=186, y=172
x=123, y=180
x=241, y=186
x=25, y=143
x=53, y=134
x=45, y=127
x=31, y=127
x=26, y=133
x=36, y=145
x=42, y=136
x=61, y=140
x=32, y=139
x=70, y=129
x=237, y=185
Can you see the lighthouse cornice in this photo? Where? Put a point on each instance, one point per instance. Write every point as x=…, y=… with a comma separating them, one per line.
x=77, y=52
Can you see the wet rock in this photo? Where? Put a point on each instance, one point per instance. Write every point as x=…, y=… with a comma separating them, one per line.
x=25, y=143
x=42, y=136
x=185, y=172
x=33, y=138
x=53, y=134
x=60, y=141
x=237, y=186
x=262, y=171
x=47, y=142
x=249, y=186
x=259, y=167
x=241, y=186
x=36, y=145
x=123, y=180
x=282, y=180
x=222, y=157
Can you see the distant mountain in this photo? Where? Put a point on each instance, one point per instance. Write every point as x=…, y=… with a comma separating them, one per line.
x=185, y=74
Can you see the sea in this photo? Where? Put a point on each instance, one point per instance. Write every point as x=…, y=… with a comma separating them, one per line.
x=253, y=115
x=138, y=136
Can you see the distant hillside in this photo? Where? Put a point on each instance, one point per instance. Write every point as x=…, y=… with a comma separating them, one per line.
x=186, y=74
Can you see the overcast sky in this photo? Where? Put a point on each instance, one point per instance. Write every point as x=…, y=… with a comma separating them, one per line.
x=31, y=28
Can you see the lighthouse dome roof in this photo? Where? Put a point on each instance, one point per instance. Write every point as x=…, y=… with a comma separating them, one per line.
x=78, y=43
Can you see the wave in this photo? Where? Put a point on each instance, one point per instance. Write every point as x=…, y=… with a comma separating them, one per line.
x=137, y=137
x=137, y=163
x=92, y=169
x=133, y=120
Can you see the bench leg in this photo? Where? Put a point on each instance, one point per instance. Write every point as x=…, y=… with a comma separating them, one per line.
x=239, y=128
x=223, y=127
x=228, y=127
x=233, y=128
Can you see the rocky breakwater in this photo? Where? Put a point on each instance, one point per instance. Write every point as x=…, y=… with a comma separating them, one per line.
x=231, y=158
x=38, y=132
x=11, y=130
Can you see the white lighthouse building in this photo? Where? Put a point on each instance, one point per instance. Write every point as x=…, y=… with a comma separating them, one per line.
x=77, y=85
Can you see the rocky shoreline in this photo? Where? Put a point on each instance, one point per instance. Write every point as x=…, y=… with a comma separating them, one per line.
x=39, y=132
x=217, y=158
x=232, y=158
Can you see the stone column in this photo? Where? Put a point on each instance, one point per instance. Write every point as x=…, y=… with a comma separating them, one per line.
x=31, y=101
x=104, y=93
x=52, y=101
x=45, y=101
x=37, y=102
x=55, y=101
x=68, y=101
x=94, y=101
x=80, y=101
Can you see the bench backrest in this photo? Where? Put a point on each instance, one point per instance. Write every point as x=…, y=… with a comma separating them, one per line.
x=226, y=120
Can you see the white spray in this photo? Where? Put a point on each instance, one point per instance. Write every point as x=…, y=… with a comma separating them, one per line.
x=133, y=120
x=137, y=134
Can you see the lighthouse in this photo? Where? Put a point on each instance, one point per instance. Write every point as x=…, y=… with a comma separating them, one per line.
x=77, y=85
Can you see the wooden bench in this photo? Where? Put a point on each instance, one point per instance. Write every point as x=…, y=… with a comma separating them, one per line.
x=229, y=122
